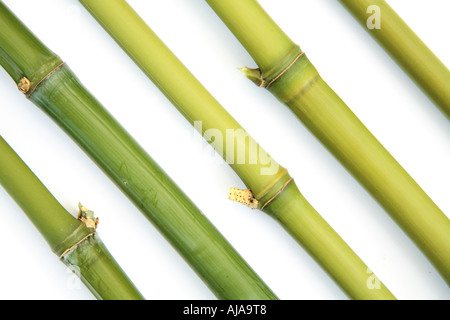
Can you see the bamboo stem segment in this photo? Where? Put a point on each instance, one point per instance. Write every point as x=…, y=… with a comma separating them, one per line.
x=322, y=111
x=59, y=93
x=406, y=48
x=271, y=188
x=77, y=244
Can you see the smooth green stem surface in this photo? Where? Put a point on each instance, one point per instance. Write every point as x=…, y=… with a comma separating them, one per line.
x=69, y=103
x=99, y=272
x=193, y=100
x=322, y=111
x=24, y=64
x=91, y=260
x=406, y=48
x=326, y=246
x=44, y=211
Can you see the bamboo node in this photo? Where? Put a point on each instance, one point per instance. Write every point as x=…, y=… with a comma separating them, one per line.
x=284, y=71
x=87, y=217
x=245, y=197
x=75, y=245
x=277, y=194
x=24, y=85
x=43, y=79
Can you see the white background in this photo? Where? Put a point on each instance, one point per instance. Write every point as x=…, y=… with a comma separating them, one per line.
x=372, y=85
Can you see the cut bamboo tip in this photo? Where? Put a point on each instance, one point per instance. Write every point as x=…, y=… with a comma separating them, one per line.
x=253, y=75
x=87, y=217
x=24, y=85
x=245, y=197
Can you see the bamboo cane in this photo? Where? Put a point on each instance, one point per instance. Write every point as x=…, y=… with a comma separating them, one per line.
x=287, y=73
x=406, y=48
x=74, y=241
x=271, y=188
x=49, y=83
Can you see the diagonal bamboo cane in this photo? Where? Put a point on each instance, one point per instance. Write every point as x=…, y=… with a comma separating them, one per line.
x=287, y=73
x=74, y=241
x=51, y=85
x=271, y=188
x=406, y=48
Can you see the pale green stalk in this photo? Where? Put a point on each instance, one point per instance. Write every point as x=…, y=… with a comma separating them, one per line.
x=405, y=47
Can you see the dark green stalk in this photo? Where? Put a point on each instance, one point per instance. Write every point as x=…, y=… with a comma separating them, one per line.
x=405, y=47
x=286, y=72
x=74, y=241
x=52, y=86
x=272, y=189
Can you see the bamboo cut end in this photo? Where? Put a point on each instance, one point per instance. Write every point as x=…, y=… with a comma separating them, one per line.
x=245, y=197
x=87, y=217
x=253, y=75
x=24, y=85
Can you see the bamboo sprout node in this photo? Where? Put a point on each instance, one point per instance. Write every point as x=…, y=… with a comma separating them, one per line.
x=265, y=80
x=73, y=247
x=277, y=194
x=283, y=71
x=286, y=89
x=29, y=83
x=89, y=221
x=261, y=201
x=282, y=85
x=44, y=73
x=273, y=189
x=278, y=68
x=80, y=234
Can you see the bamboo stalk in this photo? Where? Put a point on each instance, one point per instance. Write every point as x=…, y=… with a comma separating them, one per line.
x=74, y=241
x=52, y=86
x=271, y=188
x=406, y=48
x=285, y=71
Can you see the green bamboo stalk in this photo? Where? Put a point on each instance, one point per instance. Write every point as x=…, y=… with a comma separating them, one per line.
x=265, y=178
x=52, y=86
x=74, y=241
x=405, y=48
x=285, y=71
